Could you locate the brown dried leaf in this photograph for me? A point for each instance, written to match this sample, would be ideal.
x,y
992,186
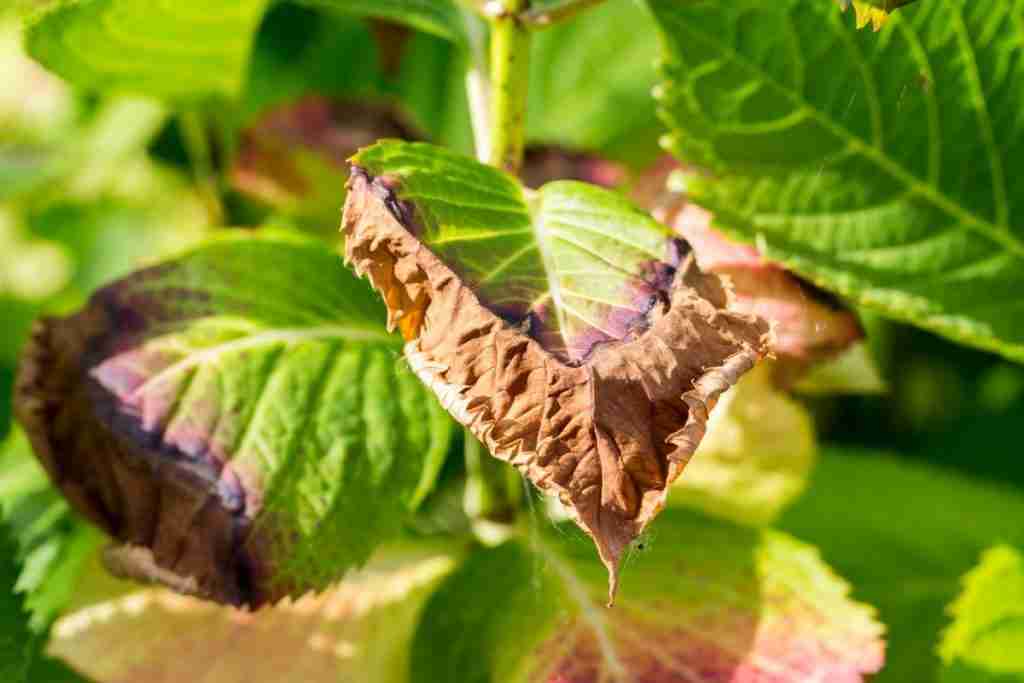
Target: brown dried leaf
x,y
607,429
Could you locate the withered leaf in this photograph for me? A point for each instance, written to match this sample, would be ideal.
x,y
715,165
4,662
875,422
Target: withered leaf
x,y
234,418
569,331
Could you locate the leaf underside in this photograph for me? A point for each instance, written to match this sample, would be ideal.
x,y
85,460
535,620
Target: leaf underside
x,y
567,330
879,166
235,418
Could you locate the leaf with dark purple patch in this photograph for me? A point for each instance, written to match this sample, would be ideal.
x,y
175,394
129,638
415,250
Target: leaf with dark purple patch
x,y
568,330
236,418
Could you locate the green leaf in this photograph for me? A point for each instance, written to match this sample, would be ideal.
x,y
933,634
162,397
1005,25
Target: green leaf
x,y
53,544
878,166
756,456
19,647
986,639
439,17
703,600
185,50
252,375
591,92
903,534
360,630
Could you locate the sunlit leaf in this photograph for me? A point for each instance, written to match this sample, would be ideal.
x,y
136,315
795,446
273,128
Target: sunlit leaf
x,y
357,632
703,601
572,334
985,643
881,167
236,417
184,50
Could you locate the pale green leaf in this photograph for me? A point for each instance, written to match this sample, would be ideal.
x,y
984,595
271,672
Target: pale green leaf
x,y
702,600
357,632
256,370
903,534
184,50
756,456
439,17
878,166
986,640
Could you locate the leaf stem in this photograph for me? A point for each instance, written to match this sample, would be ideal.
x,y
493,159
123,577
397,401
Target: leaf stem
x,y
549,15
510,75
200,154
493,488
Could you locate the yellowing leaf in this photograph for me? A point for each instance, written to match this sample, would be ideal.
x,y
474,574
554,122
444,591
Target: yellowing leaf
x,y
357,632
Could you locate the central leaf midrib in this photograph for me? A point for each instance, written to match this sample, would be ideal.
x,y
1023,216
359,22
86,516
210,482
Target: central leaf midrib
x,y
535,204
969,219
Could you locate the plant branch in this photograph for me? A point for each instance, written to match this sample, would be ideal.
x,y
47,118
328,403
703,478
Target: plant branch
x,y
200,154
510,73
493,488
549,15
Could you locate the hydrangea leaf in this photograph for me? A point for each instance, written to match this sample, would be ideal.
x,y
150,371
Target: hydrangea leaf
x,y
18,645
235,418
756,456
986,640
913,516
52,544
359,631
705,601
879,167
568,330
184,50
439,17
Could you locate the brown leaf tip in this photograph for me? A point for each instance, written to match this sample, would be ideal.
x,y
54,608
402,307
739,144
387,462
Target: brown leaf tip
x,y
608,434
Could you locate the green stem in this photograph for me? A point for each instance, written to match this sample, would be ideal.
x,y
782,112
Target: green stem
x,y
510,75
493,489
551,14
197,145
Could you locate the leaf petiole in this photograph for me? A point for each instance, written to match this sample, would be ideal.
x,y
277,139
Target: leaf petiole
x,y
510,73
